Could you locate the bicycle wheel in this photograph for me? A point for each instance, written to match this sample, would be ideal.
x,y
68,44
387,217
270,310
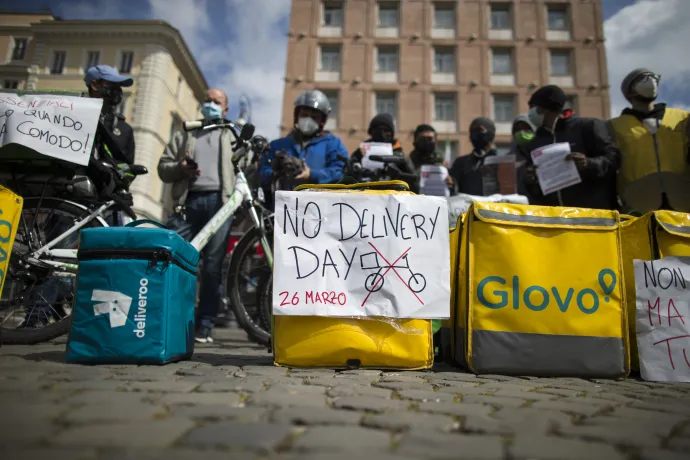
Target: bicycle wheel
x,y
247,266
42,300
265,301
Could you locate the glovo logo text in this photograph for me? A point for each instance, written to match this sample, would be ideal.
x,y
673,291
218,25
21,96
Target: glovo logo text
x,y
539,298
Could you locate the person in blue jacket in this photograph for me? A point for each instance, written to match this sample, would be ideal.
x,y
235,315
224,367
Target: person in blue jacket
x,y
308,155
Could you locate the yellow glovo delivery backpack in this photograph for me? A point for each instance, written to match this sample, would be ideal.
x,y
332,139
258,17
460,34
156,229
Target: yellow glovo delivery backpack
x,y
653,236
331,335
540,292
10,212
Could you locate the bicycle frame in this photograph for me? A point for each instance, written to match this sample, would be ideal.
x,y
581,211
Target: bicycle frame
x,y
241,195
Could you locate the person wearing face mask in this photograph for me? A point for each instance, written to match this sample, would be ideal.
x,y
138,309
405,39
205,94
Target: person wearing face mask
x,y
199,165
382,129
316,150
104,82
593,151
425,153
523,133
468,171
653,139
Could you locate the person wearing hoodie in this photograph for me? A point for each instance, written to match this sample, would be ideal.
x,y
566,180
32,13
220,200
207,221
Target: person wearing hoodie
x,y
653,139
425,153
319,153
468,171
382,129
593,151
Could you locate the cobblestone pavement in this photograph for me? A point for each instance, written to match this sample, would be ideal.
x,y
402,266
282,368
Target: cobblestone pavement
x,y
230,402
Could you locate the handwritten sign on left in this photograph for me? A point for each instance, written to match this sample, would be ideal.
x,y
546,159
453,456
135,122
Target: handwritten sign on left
x,y
663,318
357,254
61,127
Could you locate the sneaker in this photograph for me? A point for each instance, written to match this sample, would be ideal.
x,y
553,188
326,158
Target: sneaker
x,y
203,335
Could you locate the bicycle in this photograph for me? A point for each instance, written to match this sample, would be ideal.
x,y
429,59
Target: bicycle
x,y
62,262
42,264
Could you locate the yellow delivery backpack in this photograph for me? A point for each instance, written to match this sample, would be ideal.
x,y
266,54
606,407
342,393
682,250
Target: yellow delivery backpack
x,y
541,292
653,236
374,342
10,212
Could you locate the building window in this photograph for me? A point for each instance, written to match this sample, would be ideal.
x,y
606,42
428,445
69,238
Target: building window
x,y
444,21
333,99
332,14
388,20
330,59
58,65
560,63
11,84
444,60
329,63
502,62
387,59
388,15
444,66
331,19
557,18
500,17
444,107
386,103
501,22
126,61
93,58
504,109
19,50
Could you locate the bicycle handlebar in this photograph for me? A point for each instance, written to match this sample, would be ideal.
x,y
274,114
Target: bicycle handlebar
x,y
241,141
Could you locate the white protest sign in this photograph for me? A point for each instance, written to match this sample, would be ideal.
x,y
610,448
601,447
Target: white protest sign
x,y
432,181
382,149
554,172
356,254
61,127
663,318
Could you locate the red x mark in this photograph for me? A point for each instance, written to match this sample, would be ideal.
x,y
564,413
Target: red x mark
x,y
390,267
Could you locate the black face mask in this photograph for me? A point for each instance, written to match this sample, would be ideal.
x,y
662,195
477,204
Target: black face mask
x,y
481,139
112,95
425,146
382,135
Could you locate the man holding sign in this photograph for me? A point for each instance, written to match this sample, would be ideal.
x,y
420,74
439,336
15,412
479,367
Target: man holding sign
x,y
590,148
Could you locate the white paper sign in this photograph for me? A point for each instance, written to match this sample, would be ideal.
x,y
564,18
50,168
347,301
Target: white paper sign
x,y
374,148
553,171
432,181
356,254
663,318
61,127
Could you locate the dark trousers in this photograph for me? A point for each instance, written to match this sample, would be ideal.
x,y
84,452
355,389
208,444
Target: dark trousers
x,y
200,208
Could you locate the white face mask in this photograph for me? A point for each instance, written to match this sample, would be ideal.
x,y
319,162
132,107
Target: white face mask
x,y
536,118
647,88
307,126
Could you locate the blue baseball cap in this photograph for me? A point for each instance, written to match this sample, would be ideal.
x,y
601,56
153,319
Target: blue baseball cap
x,y
107,73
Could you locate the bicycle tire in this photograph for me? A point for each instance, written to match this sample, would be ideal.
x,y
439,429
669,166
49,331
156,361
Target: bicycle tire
x,y
30,336
243,249
265,301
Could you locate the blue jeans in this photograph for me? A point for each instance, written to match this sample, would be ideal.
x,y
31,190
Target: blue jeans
x,y
200,208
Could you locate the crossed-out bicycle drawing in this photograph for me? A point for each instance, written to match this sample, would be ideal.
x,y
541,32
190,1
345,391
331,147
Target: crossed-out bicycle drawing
x,y
416,282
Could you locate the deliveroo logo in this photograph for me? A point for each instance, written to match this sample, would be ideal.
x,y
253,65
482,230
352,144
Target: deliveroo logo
x,y
538,298
114,304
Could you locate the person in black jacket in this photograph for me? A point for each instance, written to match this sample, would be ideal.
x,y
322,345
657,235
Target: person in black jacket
x,y
592,149
382,129
468,171
425,153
